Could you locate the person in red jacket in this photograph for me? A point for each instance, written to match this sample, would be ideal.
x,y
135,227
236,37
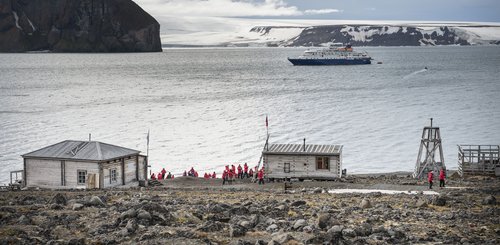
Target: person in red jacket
x,y
240,172
214,176
430,178
153,177
163,172
260,176
231,176
245,170
442,176
250,173
205,176
224,177
160,176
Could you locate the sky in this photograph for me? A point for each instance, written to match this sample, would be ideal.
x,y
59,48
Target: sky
x,y
411,10
206,22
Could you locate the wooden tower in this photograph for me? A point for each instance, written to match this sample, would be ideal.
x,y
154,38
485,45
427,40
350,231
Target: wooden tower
x,y
430,155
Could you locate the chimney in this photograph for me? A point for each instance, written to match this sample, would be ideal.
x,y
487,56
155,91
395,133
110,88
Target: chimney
x,y
431,122
304,144
90,137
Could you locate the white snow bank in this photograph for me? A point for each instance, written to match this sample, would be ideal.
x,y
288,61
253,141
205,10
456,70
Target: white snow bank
x,y
339,191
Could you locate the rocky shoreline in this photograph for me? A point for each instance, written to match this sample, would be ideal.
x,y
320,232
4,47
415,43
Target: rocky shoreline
x,y
197,211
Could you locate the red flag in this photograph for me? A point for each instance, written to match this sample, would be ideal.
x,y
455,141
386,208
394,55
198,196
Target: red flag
x,y
267,123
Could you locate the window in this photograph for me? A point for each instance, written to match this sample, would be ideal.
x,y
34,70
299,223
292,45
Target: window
x,y
323,163
286,167
112,175
82,177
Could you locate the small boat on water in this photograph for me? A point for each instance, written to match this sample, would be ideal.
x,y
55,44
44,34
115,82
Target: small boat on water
x,y
334,54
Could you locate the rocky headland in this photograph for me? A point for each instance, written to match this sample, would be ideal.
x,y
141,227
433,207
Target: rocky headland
x,y
77,26
197,211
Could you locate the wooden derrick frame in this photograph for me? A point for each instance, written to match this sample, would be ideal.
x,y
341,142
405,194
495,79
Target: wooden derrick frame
x,y
429,145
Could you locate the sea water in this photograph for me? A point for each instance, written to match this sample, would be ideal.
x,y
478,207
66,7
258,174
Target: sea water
x,y
206,108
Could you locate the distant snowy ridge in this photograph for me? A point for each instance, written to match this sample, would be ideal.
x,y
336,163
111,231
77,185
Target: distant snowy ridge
x,y
379,35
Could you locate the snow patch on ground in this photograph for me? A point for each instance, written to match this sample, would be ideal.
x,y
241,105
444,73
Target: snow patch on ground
x,y
364,33
364,191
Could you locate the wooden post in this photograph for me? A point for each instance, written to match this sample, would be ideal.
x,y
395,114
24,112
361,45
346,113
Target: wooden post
x,y
123,171
25,177
137,167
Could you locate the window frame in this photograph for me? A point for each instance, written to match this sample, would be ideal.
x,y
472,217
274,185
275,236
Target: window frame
x,y
84,177
113,175
286,167
324,161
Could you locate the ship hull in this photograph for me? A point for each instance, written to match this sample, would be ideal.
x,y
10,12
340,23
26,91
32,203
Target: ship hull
x,y
316,62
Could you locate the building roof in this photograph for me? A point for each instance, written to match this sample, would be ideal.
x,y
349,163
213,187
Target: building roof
x,y
298,149
81,150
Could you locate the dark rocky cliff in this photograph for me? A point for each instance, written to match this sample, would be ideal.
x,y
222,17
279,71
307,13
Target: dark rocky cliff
x,y
77,26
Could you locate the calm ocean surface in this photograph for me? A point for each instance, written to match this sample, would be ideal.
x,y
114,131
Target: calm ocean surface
x,y
207,107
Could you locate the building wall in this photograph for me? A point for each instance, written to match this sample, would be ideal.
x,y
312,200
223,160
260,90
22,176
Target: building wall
x,y
49,174
130,169
142,168
106,169
43,173
300,167
71,172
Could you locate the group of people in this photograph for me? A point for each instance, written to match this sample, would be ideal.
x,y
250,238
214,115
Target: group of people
x,y
442,176
191,173
162,175
231,173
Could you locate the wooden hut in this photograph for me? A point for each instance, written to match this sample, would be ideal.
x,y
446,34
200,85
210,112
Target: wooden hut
x,y
83,164
478,160
301,161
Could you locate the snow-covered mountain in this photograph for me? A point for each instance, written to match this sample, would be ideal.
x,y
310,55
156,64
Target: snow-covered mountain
x,y
381,35
286,33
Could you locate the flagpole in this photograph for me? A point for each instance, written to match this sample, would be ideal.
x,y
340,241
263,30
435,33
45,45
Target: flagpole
x,y
267,133
147,148
147,153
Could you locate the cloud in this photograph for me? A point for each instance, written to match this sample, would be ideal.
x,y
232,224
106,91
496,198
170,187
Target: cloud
x,y
322,11
226,8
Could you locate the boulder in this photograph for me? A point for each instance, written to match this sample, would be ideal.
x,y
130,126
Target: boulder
x,y
58,199
131,226
96,202
348,232
299,224
298,203
365,203
439,200
421,203
324,220
131,213
282,238
23,220
489,200
236,231
77,206
144,215
272,228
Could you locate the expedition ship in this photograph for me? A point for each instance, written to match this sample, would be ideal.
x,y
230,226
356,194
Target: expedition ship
x,y
335,54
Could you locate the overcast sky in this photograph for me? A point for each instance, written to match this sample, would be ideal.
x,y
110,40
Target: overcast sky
x,y
412,10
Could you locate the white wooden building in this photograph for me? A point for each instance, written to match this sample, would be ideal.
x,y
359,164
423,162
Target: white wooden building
x,y
302,161
83,164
